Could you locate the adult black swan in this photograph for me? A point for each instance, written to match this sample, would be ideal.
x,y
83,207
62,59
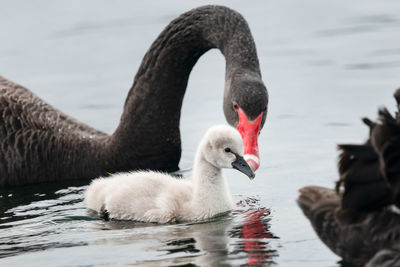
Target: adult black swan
x,y
39,143
360,220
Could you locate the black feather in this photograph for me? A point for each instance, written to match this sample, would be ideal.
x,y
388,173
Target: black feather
x,y
359,223
103,213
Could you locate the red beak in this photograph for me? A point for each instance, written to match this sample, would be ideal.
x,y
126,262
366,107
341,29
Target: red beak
x,y
249,131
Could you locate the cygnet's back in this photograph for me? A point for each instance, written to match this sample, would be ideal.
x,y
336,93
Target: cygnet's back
x,y
136,195
157,197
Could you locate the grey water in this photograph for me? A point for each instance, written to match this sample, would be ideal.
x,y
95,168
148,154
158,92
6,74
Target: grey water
x,y
326,65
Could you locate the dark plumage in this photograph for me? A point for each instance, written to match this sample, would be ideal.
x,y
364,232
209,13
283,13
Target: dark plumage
x,y
385,258
360,220
39,143
356,241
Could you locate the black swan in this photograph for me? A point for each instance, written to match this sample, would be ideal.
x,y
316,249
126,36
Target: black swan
x,y
39,143
360,220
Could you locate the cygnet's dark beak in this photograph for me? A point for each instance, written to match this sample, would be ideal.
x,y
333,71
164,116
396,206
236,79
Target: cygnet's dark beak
x,y
241,165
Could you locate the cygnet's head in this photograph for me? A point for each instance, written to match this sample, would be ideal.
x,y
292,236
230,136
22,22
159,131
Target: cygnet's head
x,y
222,146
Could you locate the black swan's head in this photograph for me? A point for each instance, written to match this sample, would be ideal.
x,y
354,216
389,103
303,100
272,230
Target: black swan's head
x,y
245,108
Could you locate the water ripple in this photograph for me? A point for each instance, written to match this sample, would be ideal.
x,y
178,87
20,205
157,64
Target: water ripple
x,y
57,219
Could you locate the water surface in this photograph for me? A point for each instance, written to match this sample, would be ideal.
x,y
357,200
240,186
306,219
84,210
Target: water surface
x,y
326,65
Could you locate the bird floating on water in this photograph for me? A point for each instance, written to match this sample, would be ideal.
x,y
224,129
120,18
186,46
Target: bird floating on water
x,y
149,196
39,143
360,220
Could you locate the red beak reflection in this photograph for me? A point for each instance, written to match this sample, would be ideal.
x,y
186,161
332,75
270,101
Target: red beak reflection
x,y
254,233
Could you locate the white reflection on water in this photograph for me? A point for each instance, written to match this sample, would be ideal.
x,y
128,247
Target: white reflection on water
x,y
60,221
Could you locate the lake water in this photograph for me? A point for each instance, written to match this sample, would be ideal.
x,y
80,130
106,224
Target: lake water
x,y
326,64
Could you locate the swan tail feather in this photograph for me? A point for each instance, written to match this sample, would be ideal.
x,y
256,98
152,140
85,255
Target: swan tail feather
x,y
363,184
313,197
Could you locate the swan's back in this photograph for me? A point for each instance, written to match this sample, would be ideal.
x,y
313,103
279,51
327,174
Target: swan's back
x,y
130,195
33,132
22,109
356,242
358,220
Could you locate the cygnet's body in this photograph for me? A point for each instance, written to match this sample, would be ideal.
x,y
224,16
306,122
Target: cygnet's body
x,y
157,197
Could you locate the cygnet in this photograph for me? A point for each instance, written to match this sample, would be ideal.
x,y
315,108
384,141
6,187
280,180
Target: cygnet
x,y
149,196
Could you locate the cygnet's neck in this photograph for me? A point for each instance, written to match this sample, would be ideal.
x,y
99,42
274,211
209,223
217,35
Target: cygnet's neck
x,y
211,191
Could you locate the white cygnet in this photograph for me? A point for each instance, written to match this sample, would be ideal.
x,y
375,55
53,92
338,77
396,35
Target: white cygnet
x,y
149,196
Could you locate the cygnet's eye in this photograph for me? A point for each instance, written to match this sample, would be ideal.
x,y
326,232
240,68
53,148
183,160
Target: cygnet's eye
x,y
227,150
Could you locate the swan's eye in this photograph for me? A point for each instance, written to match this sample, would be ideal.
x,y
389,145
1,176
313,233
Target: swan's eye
x,y
227,150
264,109
235,106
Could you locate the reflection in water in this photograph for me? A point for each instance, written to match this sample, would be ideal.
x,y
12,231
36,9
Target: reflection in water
x,y
254,233
49,221
225,240
183,245
28,219
202,244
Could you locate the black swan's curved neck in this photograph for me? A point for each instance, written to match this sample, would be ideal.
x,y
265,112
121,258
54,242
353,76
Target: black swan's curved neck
x,y
153,106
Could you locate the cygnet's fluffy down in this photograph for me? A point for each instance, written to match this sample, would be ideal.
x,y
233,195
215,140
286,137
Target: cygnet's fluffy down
x,y
149,196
